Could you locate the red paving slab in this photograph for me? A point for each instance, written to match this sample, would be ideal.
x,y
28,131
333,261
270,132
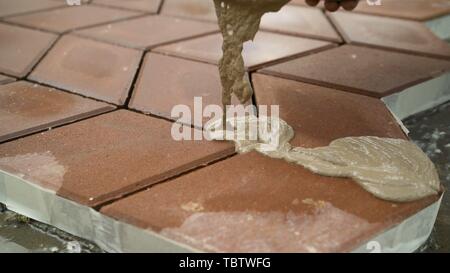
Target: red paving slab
x,y
140,5
191,9
390,33
98,159
70,18
300,21
149,31
421,10
4,79
252,203
27,108
21,48
165,82
90,68
266,48
320,115
12,7
362,70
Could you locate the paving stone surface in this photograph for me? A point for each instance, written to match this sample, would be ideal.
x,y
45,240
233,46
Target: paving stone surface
x,y
27,108
5,79
9,8
151,6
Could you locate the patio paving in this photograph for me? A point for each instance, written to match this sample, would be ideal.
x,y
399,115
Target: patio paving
x,y
107,74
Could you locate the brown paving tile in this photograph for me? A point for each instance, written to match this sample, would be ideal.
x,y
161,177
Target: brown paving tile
x,y
390,33
27,108
12,7
252,203
267,48
5,79
320,115
90,68
97,159
168,81
408,9
192,9
140,5
362,70
21,49
149,31
70,18
300,21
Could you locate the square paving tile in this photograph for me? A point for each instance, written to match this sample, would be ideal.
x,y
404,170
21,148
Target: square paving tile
x,y
300,21
140,5
27,108
362,70
252,203
390,33
70,18
168,81
149,31
102,158
21,48
12,7
422,10
5,79
267,48
192,9
90,68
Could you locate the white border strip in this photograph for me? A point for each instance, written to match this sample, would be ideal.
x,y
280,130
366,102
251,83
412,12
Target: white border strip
x,y
111,235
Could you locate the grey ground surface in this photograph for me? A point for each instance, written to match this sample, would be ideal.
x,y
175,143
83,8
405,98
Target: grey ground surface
x,y
430,130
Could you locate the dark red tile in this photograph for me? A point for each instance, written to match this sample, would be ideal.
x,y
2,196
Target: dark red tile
x,y
192,9
90,68
168,81
27,108
421,10
320,115
21,49
252,203
140,5
267,48
4,79
150,31
300,21
390,33
12,7
105,157
70,18
362,70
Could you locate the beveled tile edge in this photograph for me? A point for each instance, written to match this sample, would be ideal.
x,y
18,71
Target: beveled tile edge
x,y
114,235
7,79
57,123
109,234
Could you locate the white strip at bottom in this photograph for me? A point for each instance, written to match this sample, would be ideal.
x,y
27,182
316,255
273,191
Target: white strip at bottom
x,y
111,235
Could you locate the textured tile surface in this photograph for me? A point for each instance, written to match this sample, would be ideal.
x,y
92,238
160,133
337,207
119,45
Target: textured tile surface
x,y
69,18
251,203
90,68
140,5
21,49
166,81
300,21
12,7
267,48
192,9
390,33
105,157
26,108
148,31
362,70
408,9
